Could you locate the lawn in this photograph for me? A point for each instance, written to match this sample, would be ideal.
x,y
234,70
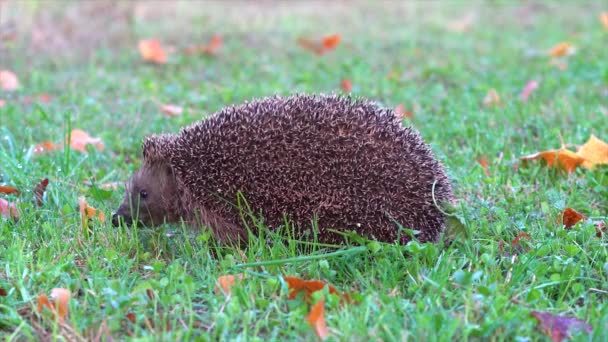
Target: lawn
x,y
79,67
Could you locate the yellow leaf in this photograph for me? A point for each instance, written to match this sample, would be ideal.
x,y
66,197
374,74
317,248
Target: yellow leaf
x,y
594,151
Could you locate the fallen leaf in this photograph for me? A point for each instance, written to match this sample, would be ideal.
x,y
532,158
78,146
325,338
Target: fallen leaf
x,y
87,212
600,229
3,292
604,19
8,209
316,319
570,217
79,139
530,87
296,285
59,305
8,80
562,49
131,317
483,162
150,294
326,44
520,235
330,42
44,147
152,51
226,282
492,98
594,151
563,158
214,45
39,191
346,85
401,113
5,189
559,328
171,110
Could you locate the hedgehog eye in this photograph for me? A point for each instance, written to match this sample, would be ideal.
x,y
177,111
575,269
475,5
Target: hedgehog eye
x,y
143,194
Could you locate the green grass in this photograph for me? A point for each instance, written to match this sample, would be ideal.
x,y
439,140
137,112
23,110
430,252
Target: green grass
x,y
479,288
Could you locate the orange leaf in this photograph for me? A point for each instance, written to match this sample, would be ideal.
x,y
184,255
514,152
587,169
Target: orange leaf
x,y
594,151
226,282
562,49
46,146
8,80
316,319
492,98
151,51
330,42
520,235
79,139
60,304
171,110
401,113
5,189
62,299
346,85
214,45
565,159
309,286
571,217
310,45
483,162
8,209
87,212
604,19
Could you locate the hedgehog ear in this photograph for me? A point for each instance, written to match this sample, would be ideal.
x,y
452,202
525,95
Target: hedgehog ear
x,y
157,148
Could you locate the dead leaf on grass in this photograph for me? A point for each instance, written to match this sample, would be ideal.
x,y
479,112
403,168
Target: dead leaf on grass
x,y
5,189
594,151
152,51
559,328
562,49
171,110
59,305
492,98
79,139
316,319
88,212
346,85
562,158
8,209
604,19
39,191
226,282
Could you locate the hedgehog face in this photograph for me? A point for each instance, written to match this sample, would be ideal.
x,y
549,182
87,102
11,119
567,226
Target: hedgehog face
x,y
149,198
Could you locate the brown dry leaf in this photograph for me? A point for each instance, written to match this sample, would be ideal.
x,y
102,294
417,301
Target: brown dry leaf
x,y
46,146
171,110
296,285
152,51
3,292
565,159
316,319
604,19
8,80
59,304
520,235
79,139
87,212
226,282
600,229
594,151
346,85
401,113
570,217
39,191
483,162
562,49
8,209
559,328
491,99
5,189
131,317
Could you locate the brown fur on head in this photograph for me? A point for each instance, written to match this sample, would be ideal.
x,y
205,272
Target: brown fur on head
x,y
151,194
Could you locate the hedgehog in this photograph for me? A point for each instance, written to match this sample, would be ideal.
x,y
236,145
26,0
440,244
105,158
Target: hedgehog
x,y
320,165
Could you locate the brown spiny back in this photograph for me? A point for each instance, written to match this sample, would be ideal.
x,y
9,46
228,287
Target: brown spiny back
x,y
346,162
